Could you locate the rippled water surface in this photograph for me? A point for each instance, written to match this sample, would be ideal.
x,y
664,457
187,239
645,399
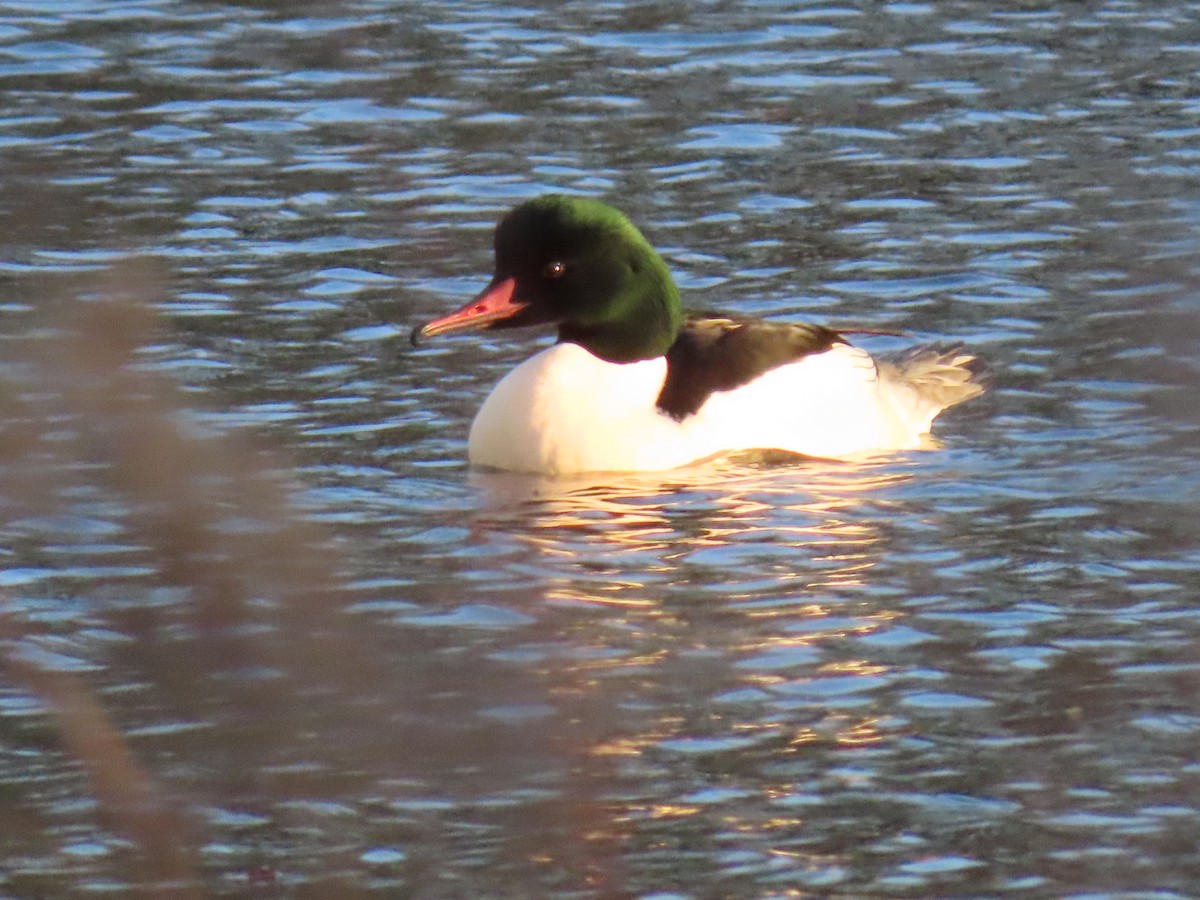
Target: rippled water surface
x,y
266,635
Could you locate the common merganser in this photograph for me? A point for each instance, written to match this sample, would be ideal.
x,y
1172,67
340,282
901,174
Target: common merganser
x,y
633,386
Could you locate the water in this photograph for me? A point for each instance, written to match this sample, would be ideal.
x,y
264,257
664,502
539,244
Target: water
x,y
267,635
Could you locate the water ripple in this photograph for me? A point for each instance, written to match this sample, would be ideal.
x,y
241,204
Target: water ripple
x,y
967,671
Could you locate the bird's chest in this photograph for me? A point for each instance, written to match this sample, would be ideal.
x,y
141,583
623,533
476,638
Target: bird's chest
x,y
565,410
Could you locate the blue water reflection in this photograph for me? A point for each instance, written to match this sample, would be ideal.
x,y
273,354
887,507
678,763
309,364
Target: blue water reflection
x,y
249,582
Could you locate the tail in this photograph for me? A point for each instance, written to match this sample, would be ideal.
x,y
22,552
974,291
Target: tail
x,y
926,380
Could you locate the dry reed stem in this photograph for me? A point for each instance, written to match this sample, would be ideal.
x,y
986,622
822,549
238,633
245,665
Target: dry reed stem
x,y
180,489
127,798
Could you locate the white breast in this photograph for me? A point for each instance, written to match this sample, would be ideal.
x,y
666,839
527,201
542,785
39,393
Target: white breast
x,y
566,411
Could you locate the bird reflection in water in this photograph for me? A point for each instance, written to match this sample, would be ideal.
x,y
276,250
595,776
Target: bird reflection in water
x,y
710,605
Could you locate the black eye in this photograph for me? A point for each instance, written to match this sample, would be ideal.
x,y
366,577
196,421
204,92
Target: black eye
x,y
555,269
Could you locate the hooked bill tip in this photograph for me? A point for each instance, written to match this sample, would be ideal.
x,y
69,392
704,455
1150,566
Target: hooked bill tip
x,y
416,335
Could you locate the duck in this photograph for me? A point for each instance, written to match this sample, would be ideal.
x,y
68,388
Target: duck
x,y
634,385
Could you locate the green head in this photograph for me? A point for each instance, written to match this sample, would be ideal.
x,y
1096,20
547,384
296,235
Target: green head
x,y
581,265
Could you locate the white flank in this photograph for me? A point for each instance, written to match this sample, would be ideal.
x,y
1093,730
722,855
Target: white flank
x,y
565,411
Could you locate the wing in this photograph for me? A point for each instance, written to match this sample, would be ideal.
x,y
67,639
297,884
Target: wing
x,y
722,354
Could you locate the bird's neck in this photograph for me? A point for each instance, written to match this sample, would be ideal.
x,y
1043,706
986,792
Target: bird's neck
x,y
644,322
